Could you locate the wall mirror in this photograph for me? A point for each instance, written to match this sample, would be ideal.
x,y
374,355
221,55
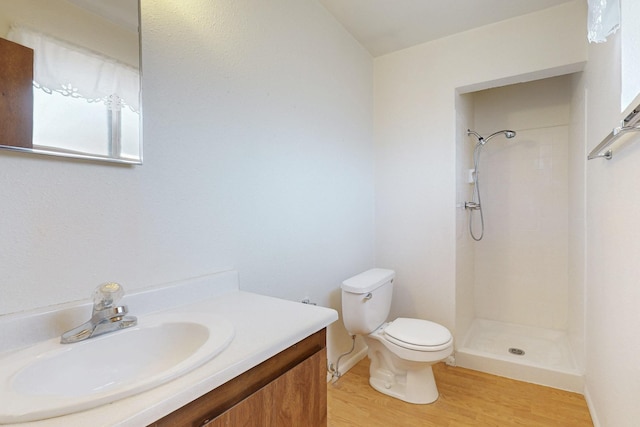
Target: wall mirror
x,y
70,78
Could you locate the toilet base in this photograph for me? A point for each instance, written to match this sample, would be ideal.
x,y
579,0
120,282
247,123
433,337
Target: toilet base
x,y
417,387
410,381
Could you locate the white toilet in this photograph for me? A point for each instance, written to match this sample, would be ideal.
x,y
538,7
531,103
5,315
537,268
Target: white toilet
x,y
401,352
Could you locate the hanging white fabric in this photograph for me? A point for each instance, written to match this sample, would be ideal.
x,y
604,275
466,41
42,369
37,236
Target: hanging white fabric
x,y
79,72
603,19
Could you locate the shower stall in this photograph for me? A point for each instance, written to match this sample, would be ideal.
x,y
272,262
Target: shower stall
x,y
520,234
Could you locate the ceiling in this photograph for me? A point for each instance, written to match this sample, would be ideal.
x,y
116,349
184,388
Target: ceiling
x,y
384,26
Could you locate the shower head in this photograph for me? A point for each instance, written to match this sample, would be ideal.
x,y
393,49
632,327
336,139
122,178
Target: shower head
x,y
482,140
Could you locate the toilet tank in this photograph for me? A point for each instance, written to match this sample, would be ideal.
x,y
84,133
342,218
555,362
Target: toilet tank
x,y
366,300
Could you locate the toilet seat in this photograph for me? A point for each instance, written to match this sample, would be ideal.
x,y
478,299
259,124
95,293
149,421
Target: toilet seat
x,y
418,334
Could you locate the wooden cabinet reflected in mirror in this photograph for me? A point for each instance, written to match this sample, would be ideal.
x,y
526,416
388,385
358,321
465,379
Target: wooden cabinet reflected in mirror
x,y
16,95
85,79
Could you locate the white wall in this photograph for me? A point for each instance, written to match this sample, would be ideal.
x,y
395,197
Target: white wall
x,y
465,246
415,140
577,220
613,242
258,157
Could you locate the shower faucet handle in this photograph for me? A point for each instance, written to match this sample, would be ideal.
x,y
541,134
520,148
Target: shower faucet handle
x,y
472,205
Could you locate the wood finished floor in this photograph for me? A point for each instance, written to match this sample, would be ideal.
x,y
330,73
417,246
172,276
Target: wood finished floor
x,y
467,398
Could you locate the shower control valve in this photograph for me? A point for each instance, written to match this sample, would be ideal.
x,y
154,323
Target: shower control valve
x,y
472,205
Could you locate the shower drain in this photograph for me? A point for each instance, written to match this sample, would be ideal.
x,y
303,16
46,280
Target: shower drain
x,y
516,351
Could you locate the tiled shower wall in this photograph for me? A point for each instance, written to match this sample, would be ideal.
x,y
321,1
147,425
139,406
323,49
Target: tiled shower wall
x,y
521,265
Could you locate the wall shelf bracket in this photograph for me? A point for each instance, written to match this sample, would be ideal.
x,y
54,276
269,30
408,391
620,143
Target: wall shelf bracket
x,y
631,123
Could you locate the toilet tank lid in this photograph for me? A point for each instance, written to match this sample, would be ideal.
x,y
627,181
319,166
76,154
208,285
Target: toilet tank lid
x,y
368,281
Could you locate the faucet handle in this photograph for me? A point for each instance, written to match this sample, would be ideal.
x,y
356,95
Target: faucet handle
x,y
107,295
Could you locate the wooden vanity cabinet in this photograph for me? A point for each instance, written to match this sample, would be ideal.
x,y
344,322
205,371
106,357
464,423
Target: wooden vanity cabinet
x,y
287,390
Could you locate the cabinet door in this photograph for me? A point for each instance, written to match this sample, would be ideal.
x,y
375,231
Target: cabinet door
x,y
296,398
300,395
254,411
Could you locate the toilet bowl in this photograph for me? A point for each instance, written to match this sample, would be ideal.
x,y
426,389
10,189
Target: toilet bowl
x,y
403,369
402,352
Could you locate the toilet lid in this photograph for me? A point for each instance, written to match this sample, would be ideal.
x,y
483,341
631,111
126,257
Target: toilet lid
x,y
417,332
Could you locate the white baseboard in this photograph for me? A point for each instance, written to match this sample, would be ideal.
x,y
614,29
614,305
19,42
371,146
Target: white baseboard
x,y
590,405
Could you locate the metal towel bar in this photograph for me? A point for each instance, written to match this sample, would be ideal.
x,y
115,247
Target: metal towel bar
x,y
628,124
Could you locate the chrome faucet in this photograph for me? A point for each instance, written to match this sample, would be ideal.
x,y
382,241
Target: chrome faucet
x,y
106,316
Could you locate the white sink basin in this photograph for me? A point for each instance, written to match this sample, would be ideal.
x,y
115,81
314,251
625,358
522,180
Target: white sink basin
x,y
51,379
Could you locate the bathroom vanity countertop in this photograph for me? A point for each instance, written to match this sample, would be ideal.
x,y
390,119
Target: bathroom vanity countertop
x,y
264,326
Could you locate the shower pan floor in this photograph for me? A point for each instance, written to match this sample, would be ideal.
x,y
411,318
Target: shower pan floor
x,y
536,355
